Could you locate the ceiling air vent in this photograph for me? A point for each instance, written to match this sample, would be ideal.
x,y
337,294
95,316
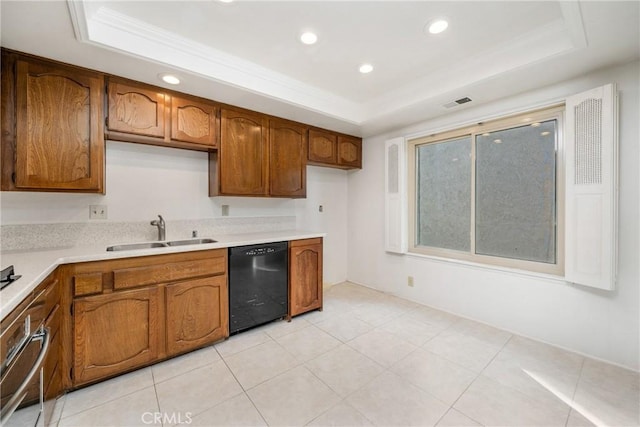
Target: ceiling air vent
x,y
457,102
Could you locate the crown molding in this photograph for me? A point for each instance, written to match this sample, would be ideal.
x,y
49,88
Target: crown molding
x,y
116,31
109,29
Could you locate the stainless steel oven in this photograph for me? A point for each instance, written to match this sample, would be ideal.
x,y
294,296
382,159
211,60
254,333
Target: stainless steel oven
x,y
24,347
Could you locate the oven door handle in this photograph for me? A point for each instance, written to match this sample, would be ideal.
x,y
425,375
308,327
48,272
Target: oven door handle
x,y
20,394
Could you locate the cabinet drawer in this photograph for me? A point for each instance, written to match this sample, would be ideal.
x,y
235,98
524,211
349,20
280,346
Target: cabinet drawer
x,y
171,272
87,283
305,242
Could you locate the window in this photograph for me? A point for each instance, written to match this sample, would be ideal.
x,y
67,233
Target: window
x,y
490,193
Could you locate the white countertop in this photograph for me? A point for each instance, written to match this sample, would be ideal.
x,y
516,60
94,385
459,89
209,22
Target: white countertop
x,y
36,265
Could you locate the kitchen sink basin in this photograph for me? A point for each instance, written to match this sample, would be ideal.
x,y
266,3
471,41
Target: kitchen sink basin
x,y
190,242
133,246
151,245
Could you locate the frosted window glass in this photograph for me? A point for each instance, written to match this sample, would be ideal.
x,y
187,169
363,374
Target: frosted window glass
x,y
516,193
444,194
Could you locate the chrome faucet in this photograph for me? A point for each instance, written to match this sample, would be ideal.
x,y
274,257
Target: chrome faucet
x,y
161,227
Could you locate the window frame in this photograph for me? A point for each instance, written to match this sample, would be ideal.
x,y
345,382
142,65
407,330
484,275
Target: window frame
x,y
550,113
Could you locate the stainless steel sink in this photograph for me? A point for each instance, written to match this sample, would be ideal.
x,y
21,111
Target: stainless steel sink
x,y
150,245
190,242
133,246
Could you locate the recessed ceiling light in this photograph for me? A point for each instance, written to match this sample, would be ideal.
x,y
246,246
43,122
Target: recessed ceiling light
x,y
226,1
366,68
308,38
536,124
486,134
437,26
497,141
169,78
545,133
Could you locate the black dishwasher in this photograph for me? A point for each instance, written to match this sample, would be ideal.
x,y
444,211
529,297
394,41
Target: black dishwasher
x,y
258,291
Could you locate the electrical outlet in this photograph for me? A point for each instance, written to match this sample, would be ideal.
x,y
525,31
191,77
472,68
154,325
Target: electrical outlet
x,y
225,210
410,281
97,211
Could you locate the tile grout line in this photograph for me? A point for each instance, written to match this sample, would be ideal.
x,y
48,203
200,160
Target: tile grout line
x,y
575,390
344,399
120,376
474,380
244,391
61,409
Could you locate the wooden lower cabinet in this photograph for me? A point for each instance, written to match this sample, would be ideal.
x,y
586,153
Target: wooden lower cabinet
x,y
197,313
109,317
143,310
115,332
305,276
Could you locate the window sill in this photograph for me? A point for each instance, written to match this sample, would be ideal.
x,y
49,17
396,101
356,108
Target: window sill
x,y
494,268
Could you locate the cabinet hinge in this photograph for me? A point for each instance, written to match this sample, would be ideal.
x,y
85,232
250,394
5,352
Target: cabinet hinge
x,y
13,177
71,373
106,121
71,309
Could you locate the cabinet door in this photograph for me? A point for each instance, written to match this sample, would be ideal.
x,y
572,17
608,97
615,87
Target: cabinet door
x,y
243,154
193,121
197,313
136,109
323,147
287,159
305,276
350,152
115,332
59,131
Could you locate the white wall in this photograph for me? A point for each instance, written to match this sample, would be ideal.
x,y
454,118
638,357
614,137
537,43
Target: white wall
x,y
601,324
143,181
327,188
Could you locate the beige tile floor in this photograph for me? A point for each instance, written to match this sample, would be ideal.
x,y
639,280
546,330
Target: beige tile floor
x,y
367,359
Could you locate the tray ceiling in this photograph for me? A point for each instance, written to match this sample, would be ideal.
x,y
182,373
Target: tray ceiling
x,y
249,51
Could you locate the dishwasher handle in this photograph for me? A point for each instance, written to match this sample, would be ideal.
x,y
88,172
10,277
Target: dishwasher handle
x,y
9,408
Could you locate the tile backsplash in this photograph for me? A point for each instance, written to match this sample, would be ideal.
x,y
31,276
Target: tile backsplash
x,y
60,235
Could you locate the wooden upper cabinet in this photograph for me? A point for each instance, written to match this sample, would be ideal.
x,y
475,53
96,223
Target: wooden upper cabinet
x,y
150,115
287,159
59,139
323,147
243,157
349,152
333,150
136,109
259,156
193,121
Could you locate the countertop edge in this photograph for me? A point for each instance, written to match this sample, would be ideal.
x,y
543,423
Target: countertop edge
x,y
35,265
